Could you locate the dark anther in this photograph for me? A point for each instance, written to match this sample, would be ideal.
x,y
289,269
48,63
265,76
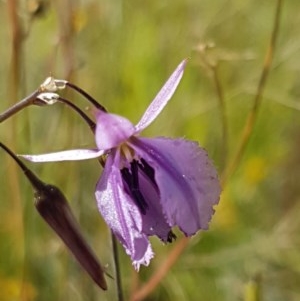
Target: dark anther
x,y
148,170
134,173
171,236
132,180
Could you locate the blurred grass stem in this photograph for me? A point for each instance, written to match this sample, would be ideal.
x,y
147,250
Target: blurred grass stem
x,y
17,39
252,116
212,66
161,272
223,114
65,15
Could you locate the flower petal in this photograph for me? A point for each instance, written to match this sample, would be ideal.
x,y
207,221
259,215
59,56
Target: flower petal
x,y
121,214
154,221
68,155
186,179
111,130
162,98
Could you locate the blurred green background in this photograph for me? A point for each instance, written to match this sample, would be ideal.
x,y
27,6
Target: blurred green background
x,y
121,52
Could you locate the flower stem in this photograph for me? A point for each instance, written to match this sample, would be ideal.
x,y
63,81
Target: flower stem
x,y
117,267
89,121
87,96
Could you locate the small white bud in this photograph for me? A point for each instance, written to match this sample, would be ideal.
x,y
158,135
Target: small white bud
x,y
60,83
52,85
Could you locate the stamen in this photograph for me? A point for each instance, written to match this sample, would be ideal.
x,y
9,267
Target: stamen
x,y
132,181
127,152
126,176
134,173
147,169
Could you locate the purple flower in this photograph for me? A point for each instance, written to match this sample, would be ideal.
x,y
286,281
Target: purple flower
x,y
148,185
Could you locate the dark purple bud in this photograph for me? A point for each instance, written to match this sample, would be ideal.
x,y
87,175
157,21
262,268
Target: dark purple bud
x,y
55,210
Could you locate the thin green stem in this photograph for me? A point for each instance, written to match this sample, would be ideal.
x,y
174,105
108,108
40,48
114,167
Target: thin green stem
x,y
117,267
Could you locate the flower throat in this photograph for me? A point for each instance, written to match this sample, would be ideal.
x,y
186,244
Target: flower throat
x,y
131,179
